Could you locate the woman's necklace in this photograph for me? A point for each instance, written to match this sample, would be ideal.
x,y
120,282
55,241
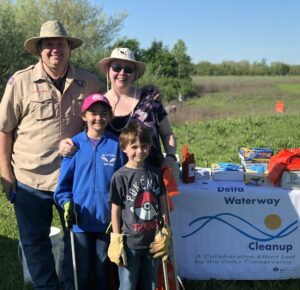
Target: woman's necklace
x,y
130,116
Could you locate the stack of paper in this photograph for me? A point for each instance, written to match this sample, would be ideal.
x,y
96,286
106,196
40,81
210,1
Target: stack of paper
x,y
290,180
203,173
227,171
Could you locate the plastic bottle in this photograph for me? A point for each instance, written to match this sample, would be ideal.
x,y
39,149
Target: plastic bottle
x,y
188,166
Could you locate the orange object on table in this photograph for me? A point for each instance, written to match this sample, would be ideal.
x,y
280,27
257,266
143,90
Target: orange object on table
x,y
188,165
285,160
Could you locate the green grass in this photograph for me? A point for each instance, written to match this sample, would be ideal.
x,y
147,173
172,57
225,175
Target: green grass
x,y
11,270
242,285
220,140
290,88
11,267
223,97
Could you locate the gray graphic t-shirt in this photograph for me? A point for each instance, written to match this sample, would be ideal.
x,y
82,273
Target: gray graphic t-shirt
x,y
137,192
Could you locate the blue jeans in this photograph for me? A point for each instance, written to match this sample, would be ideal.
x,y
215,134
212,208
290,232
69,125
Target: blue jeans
x,y
34,215
141,267
91,260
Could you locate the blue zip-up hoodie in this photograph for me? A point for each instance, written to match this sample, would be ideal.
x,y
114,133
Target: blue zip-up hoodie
x,y
86,177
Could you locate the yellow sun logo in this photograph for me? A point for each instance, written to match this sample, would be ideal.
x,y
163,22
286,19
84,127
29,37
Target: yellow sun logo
x,y
272,221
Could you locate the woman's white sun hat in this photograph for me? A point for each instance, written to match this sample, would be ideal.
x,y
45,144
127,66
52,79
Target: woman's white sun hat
x,y
122,53
51,29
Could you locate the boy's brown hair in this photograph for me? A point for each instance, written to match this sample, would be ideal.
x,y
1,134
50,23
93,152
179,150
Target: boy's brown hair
x,y
135,130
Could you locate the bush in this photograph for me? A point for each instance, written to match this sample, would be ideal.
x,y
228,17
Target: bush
x,y
170,88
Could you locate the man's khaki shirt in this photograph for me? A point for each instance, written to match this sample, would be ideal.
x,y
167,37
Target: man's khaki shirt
x,y
39,117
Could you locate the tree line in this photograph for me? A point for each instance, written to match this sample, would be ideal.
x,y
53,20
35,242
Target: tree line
x,y
170,69
245,68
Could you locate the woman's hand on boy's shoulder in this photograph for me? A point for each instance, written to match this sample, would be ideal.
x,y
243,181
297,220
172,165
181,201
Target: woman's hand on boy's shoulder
x,y
151,90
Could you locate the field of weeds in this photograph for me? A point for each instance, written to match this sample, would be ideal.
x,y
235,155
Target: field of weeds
x,y
223,97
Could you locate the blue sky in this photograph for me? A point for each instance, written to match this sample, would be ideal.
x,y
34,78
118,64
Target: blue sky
x,y
215,30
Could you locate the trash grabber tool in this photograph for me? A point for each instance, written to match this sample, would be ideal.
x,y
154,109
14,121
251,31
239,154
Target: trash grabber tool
x,y
165,270
172,190
160,222
164,263
74,259
70,222
172,258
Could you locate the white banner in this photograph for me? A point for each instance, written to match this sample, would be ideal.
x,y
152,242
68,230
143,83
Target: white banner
x,y
228,230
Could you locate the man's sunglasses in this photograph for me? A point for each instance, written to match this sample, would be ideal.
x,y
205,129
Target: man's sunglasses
x,y
116,67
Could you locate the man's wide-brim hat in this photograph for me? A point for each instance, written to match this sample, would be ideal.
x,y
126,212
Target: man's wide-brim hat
x,y
122,54
51,29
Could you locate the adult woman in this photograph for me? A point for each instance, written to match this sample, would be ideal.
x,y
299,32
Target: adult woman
x,y
132,103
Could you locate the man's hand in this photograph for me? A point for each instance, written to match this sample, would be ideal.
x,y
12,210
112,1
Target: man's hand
x,y
160,246
70,214
7,178
8,182
116,251
67,147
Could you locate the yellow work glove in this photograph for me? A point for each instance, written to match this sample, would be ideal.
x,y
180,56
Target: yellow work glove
x,y
70,215
116,251
160,246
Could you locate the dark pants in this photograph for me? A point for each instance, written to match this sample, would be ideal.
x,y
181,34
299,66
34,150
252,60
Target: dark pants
x,y
34,215
91,259
141,270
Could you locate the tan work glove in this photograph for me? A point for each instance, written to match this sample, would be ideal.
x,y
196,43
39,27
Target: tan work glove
x,y
160,246
116,251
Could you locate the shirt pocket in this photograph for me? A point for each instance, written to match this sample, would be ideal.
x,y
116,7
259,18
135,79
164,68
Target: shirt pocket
x,y
77,104
42,106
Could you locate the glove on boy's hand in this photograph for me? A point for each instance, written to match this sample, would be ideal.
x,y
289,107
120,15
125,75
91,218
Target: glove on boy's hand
x,y
70,215
160,246
116,251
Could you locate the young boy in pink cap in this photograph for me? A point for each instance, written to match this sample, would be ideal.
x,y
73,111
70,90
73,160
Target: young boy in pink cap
x,y
85,180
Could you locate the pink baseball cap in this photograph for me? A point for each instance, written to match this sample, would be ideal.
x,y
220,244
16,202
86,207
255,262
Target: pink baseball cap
x,y
94,98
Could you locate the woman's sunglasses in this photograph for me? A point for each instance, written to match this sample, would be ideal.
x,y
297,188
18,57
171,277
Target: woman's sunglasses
x,y
116,67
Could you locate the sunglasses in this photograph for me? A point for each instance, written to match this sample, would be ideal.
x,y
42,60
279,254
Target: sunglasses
x,y
116,67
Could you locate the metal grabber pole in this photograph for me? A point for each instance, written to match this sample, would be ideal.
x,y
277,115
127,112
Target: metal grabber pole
x,y
171,247
70,227
165,270
74,259
161,222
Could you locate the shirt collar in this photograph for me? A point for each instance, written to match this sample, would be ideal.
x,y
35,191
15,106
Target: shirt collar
x,y
40,74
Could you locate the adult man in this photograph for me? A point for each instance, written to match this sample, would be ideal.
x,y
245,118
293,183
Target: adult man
x,y
40,106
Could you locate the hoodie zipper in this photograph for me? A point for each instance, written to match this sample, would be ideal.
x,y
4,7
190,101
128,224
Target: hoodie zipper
x,y
94,176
